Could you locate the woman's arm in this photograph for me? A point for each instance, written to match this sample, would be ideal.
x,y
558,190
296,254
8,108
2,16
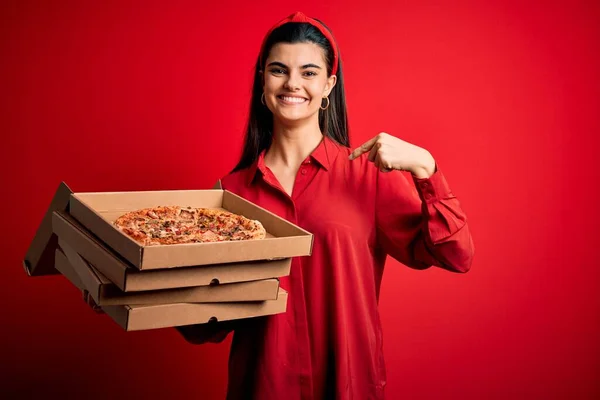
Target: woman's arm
x,y
422,224
421,227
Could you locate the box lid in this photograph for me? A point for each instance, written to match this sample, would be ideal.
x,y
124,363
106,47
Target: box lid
x,y
39,259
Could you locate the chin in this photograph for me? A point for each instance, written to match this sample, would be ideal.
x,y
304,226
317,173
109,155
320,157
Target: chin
x,y
293,117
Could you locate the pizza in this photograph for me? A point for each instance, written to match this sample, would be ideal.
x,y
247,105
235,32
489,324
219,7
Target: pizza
x,y
175,225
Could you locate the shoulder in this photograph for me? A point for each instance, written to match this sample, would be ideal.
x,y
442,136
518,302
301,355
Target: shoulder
x,y
236,180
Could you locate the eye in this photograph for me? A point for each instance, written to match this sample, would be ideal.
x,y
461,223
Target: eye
x,y
277,71
310,73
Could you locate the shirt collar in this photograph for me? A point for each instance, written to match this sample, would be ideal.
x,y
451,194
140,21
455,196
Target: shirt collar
x,y
324,155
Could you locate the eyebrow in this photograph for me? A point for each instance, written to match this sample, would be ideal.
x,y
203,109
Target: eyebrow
x,y
279,64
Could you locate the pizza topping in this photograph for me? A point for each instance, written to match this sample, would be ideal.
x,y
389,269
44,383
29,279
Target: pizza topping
x,y
172,225
187,214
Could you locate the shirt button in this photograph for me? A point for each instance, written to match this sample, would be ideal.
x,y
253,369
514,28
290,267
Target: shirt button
x,y
428,196
425,184
303,171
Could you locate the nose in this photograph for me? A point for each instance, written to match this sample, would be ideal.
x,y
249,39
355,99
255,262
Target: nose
x,y
292,83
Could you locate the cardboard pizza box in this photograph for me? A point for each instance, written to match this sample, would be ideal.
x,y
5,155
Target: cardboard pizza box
x,y
130,279
39,259
105,293
98,211
135,318
143,317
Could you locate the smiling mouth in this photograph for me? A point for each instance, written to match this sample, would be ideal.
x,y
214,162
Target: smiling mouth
x,y
292,100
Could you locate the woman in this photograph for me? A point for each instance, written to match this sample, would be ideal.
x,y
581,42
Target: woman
x,y
360,208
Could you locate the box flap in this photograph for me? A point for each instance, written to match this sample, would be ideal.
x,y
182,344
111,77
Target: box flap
x,y
63,266
86,275
39,259
218,185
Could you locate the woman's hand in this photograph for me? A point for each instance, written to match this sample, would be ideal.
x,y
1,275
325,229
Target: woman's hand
x,y
390,153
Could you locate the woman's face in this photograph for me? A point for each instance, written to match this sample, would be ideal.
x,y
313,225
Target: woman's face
x,y
295,81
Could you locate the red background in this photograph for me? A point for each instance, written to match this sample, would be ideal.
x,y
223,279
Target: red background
x,y
504,95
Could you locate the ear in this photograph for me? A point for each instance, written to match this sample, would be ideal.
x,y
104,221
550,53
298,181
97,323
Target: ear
x,y
331,81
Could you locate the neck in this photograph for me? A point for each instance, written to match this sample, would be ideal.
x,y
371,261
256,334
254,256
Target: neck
x,y
292,144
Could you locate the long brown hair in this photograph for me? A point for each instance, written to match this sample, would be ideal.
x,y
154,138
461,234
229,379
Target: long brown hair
x,y
333,121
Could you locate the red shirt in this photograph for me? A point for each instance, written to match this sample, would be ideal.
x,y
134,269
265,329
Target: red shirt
x,y
328,344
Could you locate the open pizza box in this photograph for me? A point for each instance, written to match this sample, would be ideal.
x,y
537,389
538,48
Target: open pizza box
x,y
98,211
129,279
143,317
247,260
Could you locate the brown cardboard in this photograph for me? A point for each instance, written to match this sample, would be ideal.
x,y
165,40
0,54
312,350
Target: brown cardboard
x,y
130,279
39,259
142,317
63,266
97,211
105,293
134,318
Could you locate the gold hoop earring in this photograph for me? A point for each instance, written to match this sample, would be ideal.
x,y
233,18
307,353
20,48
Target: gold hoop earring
x,y
327,106
262,99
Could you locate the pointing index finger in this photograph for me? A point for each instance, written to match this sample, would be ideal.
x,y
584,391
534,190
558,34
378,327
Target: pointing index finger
x,y
363,148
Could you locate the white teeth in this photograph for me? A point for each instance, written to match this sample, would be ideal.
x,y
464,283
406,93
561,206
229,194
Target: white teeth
x,y
293,99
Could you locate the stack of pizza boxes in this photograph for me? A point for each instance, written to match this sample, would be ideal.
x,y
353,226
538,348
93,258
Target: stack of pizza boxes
x,y
149,287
